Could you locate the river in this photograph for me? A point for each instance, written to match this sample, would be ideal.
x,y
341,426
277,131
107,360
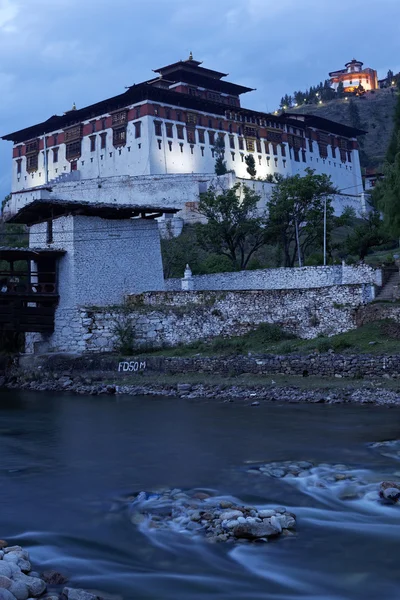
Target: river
x,y
67,462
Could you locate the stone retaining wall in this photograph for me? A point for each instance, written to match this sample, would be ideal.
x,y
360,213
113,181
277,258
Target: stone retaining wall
x,y
284,278
352,366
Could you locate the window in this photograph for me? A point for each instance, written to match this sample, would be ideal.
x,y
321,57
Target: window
x,y
349,156
210,123
221,139
73,150
178,115
275,149
283,150
192,91
242,157
211,138
55,139
241,144
49,231
230,128
232,141
191,148
55,155
138,110
157,128
310,145
284,164
233,156
181,145
258,146
303,156
201,136
159,144
167,113
169,130
19,151
259,160
170,146
202,150
276,162
138,129
250,145
93,126
220,125
266,147
156,110
268,161
199,120
119,136
103,138
213,97
104,123
191,118
92,143
179,129
19,166
333,151
191,136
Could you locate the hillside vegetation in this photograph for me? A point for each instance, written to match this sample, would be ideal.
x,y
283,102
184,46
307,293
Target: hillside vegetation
x,y
376,112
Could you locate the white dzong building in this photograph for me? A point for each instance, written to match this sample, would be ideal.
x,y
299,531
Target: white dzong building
x,y
168,126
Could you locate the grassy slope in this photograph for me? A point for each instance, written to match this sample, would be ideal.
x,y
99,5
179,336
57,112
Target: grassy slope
x,y
267,339
376,113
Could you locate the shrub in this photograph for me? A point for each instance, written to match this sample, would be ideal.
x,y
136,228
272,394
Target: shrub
x,y
123,331
341,344
323,345
267,332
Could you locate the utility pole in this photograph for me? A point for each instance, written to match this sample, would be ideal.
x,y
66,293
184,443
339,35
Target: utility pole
x,y
298,241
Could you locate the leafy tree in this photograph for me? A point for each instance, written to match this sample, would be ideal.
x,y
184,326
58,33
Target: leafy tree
x,y
296,214
251,165
340,90
235,228
177,252
10,234
219,152
367,234
390,76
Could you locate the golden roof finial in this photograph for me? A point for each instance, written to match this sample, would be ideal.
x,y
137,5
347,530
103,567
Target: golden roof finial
x,y
191,55
73,106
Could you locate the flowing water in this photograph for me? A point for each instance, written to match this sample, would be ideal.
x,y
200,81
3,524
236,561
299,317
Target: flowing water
x,y
68,463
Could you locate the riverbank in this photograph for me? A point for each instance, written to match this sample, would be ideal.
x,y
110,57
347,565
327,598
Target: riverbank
x,y
245,388
18,581
315,378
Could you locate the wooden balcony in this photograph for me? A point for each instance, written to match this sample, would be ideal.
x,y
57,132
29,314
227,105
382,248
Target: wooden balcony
x,y
28,296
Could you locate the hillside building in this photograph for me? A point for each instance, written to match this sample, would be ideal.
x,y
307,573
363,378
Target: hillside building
x,y
353,76
169,125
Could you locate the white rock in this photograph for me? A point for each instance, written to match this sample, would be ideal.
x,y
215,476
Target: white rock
x,y
266,513
275,522
19,590
5,582
35,585
230,514
14,549
6,594
5,569
72,594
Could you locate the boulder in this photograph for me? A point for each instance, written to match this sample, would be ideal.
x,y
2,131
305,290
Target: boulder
x,y
54,578
390,492
252,531
72,594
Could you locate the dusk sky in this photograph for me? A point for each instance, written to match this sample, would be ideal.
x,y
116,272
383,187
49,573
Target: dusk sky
x,y
56,52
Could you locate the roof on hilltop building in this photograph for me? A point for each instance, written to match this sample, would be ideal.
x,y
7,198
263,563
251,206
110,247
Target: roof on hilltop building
x,y
41,210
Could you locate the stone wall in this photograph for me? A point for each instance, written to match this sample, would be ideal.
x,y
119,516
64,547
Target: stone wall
x,y
160,319
284,278
352,366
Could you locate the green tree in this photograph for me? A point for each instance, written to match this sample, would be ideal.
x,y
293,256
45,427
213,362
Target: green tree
x,y
386,194
219,153
235,228
11,234
340,90
178,251
365,235
296,214
251,165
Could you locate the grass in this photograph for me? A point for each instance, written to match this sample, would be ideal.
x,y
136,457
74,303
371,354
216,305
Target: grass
x,y
270,339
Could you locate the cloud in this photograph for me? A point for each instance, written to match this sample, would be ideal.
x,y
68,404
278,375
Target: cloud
x,y
8,12
63,51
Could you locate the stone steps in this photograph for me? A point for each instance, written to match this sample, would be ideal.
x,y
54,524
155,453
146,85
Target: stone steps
x,y
389,290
